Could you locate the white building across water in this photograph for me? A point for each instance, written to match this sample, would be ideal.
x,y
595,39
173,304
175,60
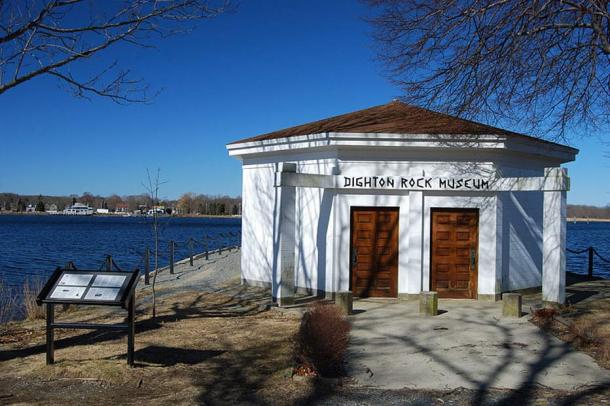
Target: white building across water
x,y
394,200
78,209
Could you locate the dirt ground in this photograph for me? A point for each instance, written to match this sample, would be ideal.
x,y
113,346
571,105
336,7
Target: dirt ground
x,y
588,306
203,348
213,347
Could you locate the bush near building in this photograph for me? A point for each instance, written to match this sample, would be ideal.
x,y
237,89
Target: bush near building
x,y
322,340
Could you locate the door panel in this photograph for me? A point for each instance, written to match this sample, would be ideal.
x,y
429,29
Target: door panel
x,y
374,252
454,252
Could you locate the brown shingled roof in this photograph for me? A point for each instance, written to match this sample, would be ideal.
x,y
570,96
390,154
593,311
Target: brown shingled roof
x,y
393,118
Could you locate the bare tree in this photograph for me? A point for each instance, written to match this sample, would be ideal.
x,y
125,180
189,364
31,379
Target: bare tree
x,y
542,65
152,188
53,37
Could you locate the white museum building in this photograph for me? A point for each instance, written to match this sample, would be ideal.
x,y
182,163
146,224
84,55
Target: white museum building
x,y
395,200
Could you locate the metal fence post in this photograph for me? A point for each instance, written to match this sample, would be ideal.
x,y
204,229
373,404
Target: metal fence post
x,y
147,266
206,246
220,235
171,257
191,252
108,263
590,263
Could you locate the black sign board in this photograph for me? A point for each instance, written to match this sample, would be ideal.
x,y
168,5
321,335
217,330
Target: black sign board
x,y
68,286
82,287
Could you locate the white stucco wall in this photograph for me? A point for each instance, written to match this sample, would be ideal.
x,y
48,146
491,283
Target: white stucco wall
x,y
260,203
510,223
522,243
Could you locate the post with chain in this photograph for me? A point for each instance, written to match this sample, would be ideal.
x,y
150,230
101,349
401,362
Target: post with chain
x,y
590,270
220,243
191,252
147,266
108,263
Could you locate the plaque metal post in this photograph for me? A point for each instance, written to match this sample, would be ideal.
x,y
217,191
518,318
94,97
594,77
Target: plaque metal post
x,y
131,330
50,333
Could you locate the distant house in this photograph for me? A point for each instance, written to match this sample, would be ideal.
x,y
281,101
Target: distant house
x,y
52,209
102,211
78,209
30,208
122,208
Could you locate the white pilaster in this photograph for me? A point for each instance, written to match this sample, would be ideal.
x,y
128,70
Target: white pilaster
x,y
415,235
286,226
554,243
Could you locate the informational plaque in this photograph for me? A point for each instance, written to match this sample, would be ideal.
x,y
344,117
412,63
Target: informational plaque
x,y
75,279
68,292
109,281
102,294
85,287
93,287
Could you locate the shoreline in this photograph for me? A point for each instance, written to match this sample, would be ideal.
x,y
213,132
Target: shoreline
x,y
3,213
587,220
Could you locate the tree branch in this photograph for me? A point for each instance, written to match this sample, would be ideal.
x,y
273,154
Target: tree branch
x,y
42,41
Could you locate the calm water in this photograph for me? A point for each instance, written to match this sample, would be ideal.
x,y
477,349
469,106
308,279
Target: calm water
x,y
583,235
33,246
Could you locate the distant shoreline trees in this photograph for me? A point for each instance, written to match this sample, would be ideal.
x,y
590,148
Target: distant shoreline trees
x,y
188,204
592,212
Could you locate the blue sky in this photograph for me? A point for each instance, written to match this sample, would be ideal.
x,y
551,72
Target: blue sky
x,y
270,65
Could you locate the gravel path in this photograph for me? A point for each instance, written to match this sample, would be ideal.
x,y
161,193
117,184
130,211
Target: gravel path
x,y
204,276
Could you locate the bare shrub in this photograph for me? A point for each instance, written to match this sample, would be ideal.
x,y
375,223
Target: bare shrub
x,y
31,310
322,340
604,350
544,317
585,332
7,304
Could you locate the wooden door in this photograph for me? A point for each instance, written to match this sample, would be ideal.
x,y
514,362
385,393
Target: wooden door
x,y
454,252
374,252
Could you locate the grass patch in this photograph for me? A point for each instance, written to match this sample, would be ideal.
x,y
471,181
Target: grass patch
x,y
31,310
205,348
8,305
